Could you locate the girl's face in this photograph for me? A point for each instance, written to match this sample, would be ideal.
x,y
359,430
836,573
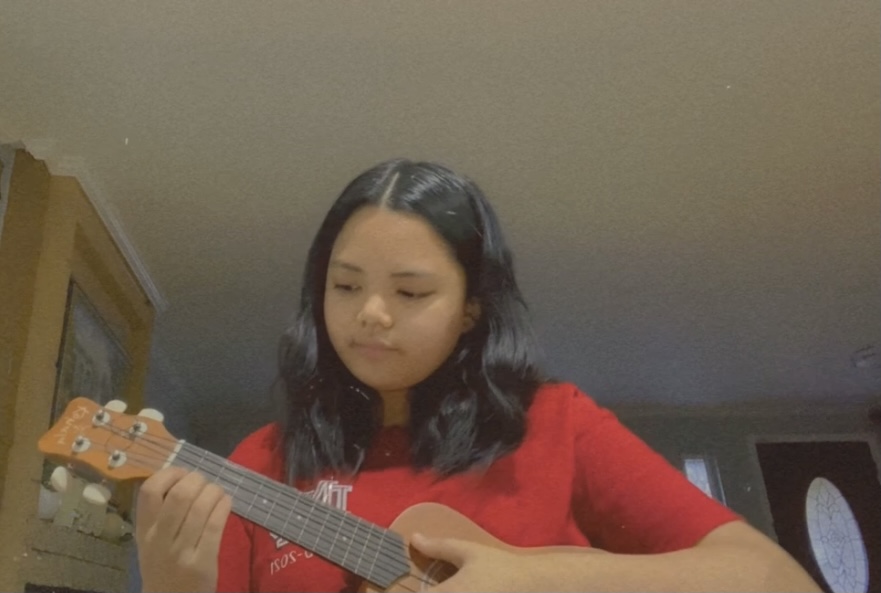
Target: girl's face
x,y
394,301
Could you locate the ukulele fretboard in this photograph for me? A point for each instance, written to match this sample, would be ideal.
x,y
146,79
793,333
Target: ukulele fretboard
x,y
367,550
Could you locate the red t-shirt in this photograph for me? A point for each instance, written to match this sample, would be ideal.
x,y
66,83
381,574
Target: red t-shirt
x,y
578,478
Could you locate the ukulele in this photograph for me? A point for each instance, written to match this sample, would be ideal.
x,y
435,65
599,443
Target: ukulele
x,y
105,444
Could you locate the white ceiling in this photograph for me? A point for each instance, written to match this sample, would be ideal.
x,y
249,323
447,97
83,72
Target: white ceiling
x,y
691,188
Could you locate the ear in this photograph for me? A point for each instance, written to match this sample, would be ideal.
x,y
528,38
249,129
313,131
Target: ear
x,y
472,315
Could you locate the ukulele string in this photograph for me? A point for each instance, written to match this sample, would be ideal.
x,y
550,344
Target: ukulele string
x,y
156,444
389,549
159,450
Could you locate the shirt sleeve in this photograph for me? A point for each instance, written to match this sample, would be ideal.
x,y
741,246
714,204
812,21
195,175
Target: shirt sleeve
x,y
629,499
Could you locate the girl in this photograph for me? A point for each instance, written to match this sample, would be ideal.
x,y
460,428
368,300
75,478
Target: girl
x,y
410,376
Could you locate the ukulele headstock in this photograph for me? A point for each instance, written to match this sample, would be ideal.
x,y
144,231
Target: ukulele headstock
x,y
107,441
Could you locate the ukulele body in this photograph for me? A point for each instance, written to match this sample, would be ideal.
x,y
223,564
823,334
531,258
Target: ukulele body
x,y
438,521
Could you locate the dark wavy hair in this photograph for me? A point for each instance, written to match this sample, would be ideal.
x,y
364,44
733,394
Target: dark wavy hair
x,y
470,411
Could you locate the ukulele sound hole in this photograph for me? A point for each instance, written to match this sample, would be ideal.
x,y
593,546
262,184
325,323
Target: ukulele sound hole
x,y
437,572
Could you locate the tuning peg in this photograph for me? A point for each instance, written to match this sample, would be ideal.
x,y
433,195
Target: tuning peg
x,y
48,503
59,479
116,405
80,444
152,414
96,494
117,459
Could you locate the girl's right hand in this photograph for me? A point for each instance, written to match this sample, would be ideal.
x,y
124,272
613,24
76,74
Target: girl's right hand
x,y
179,524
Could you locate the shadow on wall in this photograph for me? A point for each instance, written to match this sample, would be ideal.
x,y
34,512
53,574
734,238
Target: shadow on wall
x,y
220,428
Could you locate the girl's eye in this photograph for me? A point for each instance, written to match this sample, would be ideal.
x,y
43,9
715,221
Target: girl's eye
x,y
345,287
407,294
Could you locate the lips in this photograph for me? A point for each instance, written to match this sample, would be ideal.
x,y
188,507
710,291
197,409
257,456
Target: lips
x,y
379,346
373,348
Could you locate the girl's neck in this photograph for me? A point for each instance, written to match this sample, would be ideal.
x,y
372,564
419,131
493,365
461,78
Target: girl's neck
x,y
395,408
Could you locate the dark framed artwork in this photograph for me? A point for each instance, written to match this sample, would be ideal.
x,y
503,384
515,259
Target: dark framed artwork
x,y
92,362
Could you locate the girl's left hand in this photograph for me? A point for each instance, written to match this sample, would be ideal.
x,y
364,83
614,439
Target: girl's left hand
x,y
481,568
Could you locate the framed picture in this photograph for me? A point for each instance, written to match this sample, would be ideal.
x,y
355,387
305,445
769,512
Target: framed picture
x,y
92,362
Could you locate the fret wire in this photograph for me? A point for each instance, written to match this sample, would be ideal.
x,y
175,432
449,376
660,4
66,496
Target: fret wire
x,y
386,554
342,520
235,492
272,508
321,531
306,522
335,537
376,556
393,544
352,538
363,554
302,517
304,514
284,525
219,475
256,494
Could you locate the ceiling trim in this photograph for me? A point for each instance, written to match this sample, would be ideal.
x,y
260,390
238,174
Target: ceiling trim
x,y
45,150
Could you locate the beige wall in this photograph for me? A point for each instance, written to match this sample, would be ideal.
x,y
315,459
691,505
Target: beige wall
x,y
52,234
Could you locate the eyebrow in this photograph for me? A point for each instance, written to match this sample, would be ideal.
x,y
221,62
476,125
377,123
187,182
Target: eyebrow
x,y
336,263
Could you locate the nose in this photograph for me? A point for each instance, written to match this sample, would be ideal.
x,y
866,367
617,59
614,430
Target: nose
x,y
374,312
